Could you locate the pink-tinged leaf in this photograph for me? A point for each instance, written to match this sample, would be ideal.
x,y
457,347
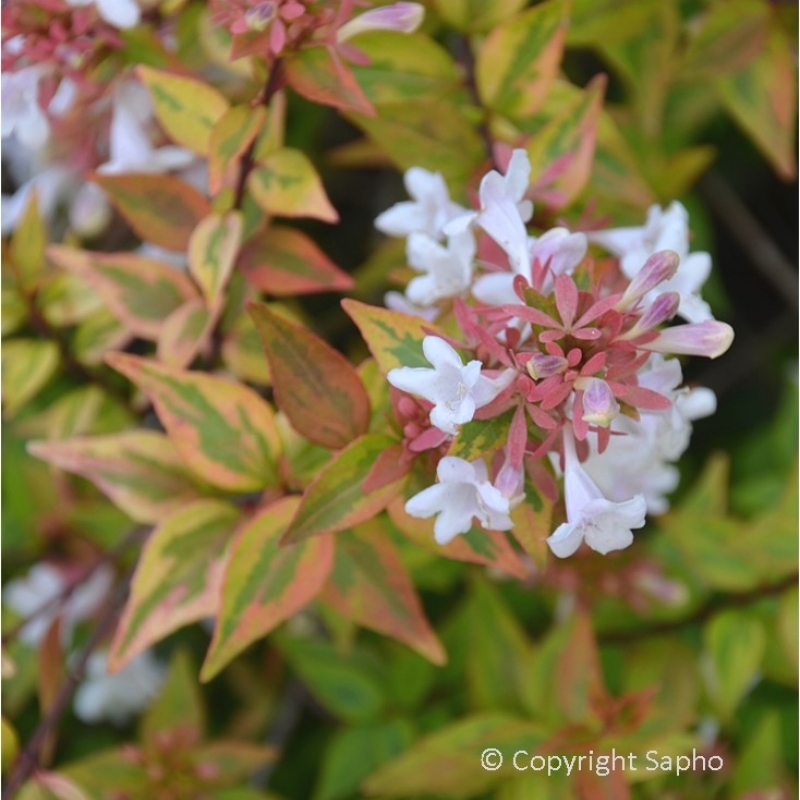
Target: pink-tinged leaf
x,y
315,386
388,468
265,584
97,335
393,338
641,397
320,77
185,332
161,209
286,184
370,586
231,135
139,470
178,577
476,546
519,59
282,261
212,251
243,355
561,152
231,763
335,500
223,430
531,529
139,291
187,108
762,99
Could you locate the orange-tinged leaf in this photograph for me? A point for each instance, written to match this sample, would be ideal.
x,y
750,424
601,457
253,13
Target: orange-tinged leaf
x,y
161,209
223,430
315,386
519,59
27,365
139,470
231,135
531,529
243,354
370,586
213,246
139,291
97,335
282,261
393,338
477,546
762,99
335,500
185,332
273,134
265,584
320,77
561,152
285,183
187,108
178,577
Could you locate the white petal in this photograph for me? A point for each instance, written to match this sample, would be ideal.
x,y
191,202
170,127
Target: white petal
x,y
440,353
565,540
119,13
452,469
402,219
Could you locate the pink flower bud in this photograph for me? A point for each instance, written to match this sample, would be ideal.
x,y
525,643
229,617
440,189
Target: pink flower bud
x,y
658,268
709,338
599,404
661,310
542,365
400,17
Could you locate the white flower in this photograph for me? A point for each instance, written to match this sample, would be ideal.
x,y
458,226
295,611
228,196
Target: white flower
x,y
398,17
663,230
22,116
455,390
463,492
429,211
638,462
396,301
448,269
119,13
41,587
604,525
120,696
504,212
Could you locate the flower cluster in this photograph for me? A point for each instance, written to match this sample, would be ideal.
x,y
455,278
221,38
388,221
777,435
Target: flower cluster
x,y
567,350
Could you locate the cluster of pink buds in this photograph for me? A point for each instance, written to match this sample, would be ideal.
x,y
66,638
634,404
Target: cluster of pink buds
x,y
565,354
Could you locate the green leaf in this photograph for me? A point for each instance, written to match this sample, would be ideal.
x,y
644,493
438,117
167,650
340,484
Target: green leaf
x,y
448,762
139,291
353,753
139,470
161,209
759,771
735,642
109,772
532,526
335,500
265,584
230,137
213,247
185,333
393,338
403,69
561,152
762,100
315,386
178,578
282,261
317,75
178,709
479,438
98,334
187,108
518,60
477,546
608,22
229,763
28,364
223,430
285,183
370,586
27,245
67,299
476,15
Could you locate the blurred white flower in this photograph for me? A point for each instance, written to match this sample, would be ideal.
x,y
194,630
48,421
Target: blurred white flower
x,y
448,270
117,697
119,13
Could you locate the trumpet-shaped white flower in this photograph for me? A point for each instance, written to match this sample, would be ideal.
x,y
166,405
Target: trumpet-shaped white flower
x,y
603,524
398,17
429,210
119,13
448,270
397,301
22,115
455,390
664,230
117,697
36,595
463,493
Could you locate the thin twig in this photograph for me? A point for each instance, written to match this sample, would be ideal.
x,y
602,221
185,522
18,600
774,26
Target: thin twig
x,y
748,232
702,614
28,759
